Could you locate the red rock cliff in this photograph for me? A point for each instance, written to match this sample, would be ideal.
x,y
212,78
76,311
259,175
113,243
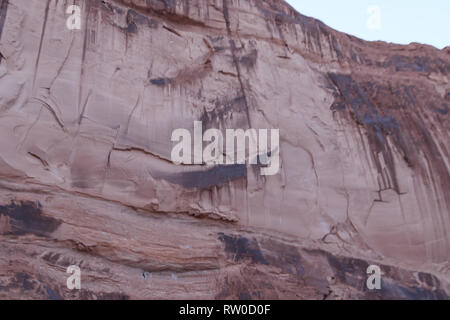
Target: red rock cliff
x,y
86,118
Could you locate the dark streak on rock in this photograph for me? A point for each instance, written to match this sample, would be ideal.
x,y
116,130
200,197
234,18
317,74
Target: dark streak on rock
x,y
22,281
134,18
26,218
249,60
172,31
56,259
396,291
348,270
41,41
208,178
219,49
392,115
224,108
285,257
25,281
161,82
3,12
352,272
188,74
165,9
112,8
429,279
365,113
242,249
52,295
315,273
89,295
443,110
401,63
233,48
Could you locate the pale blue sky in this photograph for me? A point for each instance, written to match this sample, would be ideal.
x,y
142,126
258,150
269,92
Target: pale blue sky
x,y
401,21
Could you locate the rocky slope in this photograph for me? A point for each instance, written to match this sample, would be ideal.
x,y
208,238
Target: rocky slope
x,y
86,118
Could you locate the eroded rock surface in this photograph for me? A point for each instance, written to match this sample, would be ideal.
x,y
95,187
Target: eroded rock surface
x,y
86,118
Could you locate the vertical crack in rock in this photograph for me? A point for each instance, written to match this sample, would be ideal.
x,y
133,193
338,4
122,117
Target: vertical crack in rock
x,y
83,60
41,41
226,15
3,12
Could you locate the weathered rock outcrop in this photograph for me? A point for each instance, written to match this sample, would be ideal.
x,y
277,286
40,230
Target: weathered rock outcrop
x,y
86,178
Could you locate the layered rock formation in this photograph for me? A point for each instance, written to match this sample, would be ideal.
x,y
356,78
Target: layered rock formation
x,y
86,118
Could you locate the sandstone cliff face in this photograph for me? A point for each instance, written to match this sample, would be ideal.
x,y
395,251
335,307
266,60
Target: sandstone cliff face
x,y
86,118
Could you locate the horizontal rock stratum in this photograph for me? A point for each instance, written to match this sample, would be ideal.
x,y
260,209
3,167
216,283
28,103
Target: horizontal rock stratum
x,y
86,176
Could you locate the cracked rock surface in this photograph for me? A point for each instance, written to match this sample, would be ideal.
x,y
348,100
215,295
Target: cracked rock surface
x,y
86,178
